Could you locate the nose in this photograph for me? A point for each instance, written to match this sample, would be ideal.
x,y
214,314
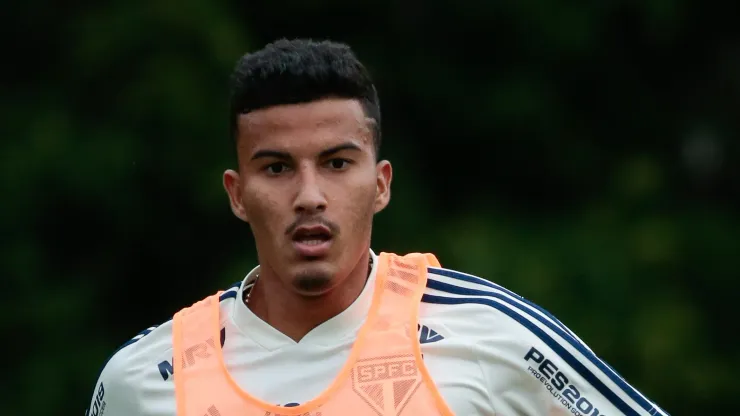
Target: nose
x,y
310,198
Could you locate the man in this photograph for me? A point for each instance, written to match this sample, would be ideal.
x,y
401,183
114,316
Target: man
x,y
324,326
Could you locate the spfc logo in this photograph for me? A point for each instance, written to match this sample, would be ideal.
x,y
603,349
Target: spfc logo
x,y
386,383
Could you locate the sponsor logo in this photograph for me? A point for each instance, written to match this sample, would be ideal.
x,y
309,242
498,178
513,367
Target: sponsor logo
x,y
559,385
199,350
427,335
98,407
386,383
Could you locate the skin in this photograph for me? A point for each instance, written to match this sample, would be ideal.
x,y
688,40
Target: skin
x,y
307,164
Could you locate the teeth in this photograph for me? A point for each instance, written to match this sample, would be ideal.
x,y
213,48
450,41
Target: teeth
x,y
312,242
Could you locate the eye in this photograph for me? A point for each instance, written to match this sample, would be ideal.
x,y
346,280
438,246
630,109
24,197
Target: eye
x,y
339,164
276,168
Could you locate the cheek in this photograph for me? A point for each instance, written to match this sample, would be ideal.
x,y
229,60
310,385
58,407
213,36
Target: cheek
x,y
359,204
263,210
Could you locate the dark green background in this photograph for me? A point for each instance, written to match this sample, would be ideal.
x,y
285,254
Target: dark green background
x,y
583,155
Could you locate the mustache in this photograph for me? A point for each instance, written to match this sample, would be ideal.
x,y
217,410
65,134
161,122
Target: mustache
x,y
334,228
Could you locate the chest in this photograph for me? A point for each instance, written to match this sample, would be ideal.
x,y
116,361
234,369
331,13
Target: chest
x,y
293,375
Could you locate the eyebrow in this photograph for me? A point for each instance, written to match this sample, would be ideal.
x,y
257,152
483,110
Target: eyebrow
x,y
284,155
270,153
336,149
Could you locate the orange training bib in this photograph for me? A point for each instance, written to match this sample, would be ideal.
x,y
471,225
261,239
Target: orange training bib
x,y
384,375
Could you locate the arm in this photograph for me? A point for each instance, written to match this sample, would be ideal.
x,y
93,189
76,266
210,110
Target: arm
x,y
539,368
532,364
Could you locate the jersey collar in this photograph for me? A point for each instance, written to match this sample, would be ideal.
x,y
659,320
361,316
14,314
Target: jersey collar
x,y
332,332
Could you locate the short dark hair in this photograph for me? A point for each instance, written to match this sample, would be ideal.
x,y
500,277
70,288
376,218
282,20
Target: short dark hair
x,y
300,71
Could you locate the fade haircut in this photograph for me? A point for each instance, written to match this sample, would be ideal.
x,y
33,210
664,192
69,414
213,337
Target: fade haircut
x,y
301,71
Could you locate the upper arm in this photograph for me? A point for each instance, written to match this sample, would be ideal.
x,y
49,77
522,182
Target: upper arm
x,y
533,364
114,394
547,370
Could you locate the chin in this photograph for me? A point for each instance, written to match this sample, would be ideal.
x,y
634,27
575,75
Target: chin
x,y
314,280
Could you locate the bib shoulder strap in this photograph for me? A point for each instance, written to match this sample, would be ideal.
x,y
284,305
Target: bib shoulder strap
x,y
192,327
403,280
195,344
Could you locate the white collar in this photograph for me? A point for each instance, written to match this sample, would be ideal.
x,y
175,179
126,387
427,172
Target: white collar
x,y
344,325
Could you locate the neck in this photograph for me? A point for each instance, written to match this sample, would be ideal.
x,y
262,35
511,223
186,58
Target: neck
x,y
295,315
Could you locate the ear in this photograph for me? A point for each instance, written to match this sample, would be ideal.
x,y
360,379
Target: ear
x,y
384,172
233,186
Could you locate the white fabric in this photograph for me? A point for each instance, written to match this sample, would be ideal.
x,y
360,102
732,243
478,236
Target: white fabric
x,y
489,351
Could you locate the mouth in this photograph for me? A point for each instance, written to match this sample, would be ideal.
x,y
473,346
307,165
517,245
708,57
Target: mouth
x,y
312,240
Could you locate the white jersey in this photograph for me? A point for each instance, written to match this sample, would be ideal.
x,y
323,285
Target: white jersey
x,y
489,351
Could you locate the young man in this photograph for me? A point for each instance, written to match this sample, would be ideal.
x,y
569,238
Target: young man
x,y
324,326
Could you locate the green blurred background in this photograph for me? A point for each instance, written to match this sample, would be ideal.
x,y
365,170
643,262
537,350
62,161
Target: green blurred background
x,y
584,156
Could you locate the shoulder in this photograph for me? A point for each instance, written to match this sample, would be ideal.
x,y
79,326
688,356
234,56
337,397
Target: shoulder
x,y
501,325
476,304
519,342
125,373
152,342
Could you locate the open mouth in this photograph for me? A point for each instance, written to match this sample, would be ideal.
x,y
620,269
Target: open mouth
x,y
312,235
312,241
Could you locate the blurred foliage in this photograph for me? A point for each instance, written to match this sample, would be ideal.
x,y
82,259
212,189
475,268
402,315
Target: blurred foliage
x,y
585,156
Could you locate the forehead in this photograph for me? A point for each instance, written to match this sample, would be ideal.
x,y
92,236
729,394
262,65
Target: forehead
x,y
308,125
